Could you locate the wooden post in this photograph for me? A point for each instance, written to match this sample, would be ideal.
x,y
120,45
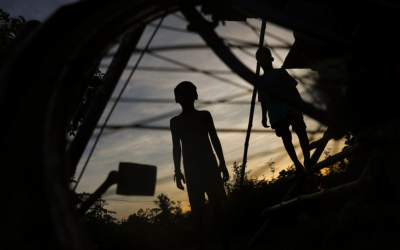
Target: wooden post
x,y
253,98
347,189
355,149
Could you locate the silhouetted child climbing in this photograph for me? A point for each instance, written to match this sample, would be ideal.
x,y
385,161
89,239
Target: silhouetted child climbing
x,y
279,115
192,129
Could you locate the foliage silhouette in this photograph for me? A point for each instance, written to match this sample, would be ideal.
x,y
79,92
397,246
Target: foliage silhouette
x,y
9,27
167,227
164,212
86,101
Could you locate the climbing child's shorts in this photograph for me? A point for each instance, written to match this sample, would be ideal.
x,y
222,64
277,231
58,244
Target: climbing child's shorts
x,y
296,120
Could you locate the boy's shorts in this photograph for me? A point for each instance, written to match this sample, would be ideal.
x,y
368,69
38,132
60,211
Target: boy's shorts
x,y
203,176
296,120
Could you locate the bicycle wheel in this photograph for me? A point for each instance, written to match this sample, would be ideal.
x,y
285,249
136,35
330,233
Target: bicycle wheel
x,y
40,87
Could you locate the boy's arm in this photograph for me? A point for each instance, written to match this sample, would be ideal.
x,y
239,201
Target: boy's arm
x,y
176,153
217,146
264,110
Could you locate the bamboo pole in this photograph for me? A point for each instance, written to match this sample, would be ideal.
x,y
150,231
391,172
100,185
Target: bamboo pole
x,y
355,149
320,149
347,189
226,130
327,137
253,98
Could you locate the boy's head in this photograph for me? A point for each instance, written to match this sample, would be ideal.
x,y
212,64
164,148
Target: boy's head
x,y
185,91
264,56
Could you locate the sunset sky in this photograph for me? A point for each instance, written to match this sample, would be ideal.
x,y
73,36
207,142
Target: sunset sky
x,y
154,147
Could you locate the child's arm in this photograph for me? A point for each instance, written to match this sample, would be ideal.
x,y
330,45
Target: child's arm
x,y
264,110
176,153
217,146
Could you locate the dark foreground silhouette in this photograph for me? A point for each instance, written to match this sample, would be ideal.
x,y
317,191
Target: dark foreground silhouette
x,y
166,226
280,116
192,129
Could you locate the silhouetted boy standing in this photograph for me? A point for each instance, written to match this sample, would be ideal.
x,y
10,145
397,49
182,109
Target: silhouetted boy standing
x,y
192,128
279,115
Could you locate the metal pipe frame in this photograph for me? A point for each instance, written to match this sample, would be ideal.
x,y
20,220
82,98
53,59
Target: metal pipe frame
x,y
206,31
86,129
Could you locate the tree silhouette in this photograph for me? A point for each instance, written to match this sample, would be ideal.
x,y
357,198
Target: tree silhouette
x,y
97,212
9,27
164,212
100,213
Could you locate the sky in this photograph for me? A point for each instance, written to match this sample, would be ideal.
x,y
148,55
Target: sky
x,y
154,147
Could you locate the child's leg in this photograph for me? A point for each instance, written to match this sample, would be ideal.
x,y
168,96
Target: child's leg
x,y
299,126
287,142
222,223
305,146
197,201
198,215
